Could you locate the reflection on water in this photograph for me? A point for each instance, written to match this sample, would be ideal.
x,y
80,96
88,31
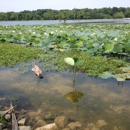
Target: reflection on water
x,y
101,99
74,96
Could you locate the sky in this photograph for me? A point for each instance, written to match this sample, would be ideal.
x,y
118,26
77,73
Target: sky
x,y
21,5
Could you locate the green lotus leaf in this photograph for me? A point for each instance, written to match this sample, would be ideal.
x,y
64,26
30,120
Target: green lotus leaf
x,y
96,44
123,77
107,75
73,45
109,47
127,46
126,69
93,50
117,48
79,43
82,38
82,48
89,45
19,36
37,41
78,62
128,76
69,61
63,43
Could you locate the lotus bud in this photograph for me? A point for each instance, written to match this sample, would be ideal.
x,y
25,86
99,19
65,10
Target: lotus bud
x,y
51,32
102,44
115,39
34,33
69,61
45,33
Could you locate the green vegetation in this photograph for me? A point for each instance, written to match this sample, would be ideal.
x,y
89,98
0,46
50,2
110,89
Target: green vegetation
x,y
101,50
93,65
11,54
48,14
95,39
7,123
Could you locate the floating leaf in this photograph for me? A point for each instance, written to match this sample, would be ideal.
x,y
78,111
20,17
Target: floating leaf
x,y
121,77
79,43
78,62
126,69
117,48
109,47
96,44
93,50
107,75
127,46
63,43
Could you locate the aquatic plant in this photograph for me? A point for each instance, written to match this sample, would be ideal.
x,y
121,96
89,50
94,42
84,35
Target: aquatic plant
x,y
11,54
95,39
89,43
74,95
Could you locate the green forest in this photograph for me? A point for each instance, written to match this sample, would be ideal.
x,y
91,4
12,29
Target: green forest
x,y
50,14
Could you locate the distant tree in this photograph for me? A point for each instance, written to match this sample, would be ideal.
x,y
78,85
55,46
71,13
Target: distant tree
x,y
118,15
127,14
87,15
49,14
13,16
107,16
114,10
60,16
64,16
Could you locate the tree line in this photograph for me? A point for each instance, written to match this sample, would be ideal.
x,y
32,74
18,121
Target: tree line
x,y
50,14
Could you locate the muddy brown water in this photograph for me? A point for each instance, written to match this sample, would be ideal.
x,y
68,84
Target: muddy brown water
x,y
102,99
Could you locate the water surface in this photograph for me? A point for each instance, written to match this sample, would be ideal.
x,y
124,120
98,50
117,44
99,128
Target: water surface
x,y
102,99
49,22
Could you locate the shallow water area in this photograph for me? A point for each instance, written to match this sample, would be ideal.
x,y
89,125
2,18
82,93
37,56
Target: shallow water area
x,y
102,99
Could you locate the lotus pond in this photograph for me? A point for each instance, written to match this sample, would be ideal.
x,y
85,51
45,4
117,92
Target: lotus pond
x,y
96,86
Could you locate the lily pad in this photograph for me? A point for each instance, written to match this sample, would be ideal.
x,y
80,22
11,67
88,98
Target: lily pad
x,y
79,43
126,69
117,48
127,46
123,77
120,77
107,75
109,47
